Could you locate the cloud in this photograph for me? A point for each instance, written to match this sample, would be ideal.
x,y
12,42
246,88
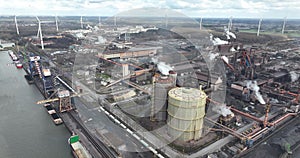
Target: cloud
x,y
204,8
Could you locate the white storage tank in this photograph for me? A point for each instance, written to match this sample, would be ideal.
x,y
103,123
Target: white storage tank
x,y
186,109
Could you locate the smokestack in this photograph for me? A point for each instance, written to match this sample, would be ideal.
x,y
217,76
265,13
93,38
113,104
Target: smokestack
x,y
258,28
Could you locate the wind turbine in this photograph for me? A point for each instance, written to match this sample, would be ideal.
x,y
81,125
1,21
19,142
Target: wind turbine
x,y
201,23
16,22
115,20
99,20
39,33
258,28
230,23
166,19
283,26
81,24
56,23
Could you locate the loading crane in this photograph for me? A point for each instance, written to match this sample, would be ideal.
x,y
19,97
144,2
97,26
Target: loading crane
x,y
64,99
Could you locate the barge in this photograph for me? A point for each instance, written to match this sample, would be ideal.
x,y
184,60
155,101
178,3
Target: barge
x,y
54,116
78,150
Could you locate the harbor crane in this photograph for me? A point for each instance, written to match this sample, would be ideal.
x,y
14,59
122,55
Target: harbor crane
x,y
64,99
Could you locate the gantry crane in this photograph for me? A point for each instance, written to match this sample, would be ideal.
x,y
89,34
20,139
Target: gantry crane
x,y
64,99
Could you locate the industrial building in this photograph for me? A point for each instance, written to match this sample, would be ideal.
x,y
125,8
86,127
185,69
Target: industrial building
x,y
169,96
130,53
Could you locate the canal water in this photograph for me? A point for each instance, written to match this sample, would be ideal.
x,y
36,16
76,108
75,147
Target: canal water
x,y
26,130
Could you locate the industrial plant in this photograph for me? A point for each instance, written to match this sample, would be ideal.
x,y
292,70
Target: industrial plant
x,y
167,88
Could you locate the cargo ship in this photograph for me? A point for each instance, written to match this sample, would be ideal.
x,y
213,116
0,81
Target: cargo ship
x,y
77,149
52,112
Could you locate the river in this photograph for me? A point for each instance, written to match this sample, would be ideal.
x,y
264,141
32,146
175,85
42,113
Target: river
x,y
26,130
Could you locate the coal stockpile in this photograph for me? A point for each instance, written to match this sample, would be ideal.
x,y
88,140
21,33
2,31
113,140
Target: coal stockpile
x,y
63,42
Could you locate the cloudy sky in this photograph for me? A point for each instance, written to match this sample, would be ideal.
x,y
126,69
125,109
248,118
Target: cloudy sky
x,y
192,8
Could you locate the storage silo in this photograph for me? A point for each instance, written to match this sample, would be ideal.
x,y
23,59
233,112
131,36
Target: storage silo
x,y
161,86
186,109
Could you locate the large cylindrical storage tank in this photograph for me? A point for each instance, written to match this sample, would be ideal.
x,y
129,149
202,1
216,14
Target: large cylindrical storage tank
x,y
161,86
186,109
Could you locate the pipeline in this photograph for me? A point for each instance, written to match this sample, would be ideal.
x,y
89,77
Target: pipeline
x,y
282,118
258,133
253,132
246,115
238,111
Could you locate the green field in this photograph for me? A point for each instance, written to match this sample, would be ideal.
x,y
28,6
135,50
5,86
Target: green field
x,y
294,33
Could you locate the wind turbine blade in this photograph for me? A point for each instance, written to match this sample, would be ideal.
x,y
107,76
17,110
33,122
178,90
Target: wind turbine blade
x,y
115,20
81,22
17,28
283,26
56,23
37,18
258,28
41,36
38,33
166,19
201,23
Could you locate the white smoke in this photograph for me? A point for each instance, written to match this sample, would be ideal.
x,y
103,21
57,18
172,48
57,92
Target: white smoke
x,y
231,34
212,56
255,88
228,33
232,49
154,60
163,68
294,76
222,110
217,41
225,59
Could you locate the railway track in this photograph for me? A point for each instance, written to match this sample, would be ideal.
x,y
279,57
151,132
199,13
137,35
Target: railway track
x,y
99,145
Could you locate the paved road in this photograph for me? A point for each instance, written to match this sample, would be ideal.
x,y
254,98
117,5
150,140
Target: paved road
x,y
98,122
